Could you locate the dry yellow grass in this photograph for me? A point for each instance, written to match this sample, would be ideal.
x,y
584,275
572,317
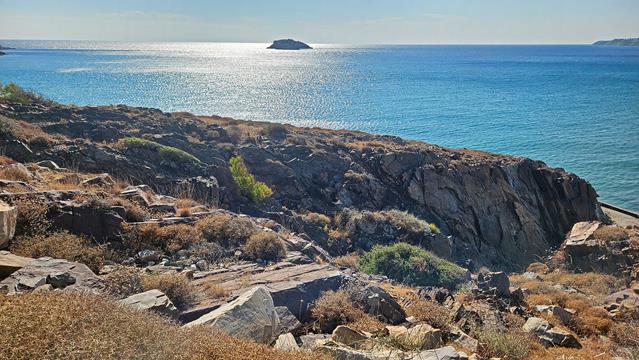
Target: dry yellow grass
x,y
431,312
5,160
15,174
335,308
349,261
176,287
83,326
264,245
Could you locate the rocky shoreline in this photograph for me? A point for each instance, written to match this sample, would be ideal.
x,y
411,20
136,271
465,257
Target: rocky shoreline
x,y
297,243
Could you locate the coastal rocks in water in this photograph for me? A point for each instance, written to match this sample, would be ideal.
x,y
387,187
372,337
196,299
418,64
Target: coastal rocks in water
x,y
154,300
549,335
251,316
8,217
55,273
288,44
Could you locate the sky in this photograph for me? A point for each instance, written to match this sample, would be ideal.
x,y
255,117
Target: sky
x,y
323,21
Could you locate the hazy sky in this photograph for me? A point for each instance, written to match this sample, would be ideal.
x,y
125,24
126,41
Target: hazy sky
x,y
323,21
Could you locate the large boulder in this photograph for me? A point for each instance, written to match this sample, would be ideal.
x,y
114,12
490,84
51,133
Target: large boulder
x,y
549,335
153,300
376,301
10,263
8,216
52,273
496,283
251,316
418,337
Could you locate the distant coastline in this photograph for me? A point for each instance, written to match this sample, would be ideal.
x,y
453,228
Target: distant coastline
x,y
619,42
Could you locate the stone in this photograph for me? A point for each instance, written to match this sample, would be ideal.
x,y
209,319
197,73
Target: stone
x,y
377,302
466,341
48,164
288,321
37,272
99,223
101,180
251,316
418,337
153,300
350,337
309,341
8,217
338,351
496,282
10,263
550,336
286,342
433,293
560,313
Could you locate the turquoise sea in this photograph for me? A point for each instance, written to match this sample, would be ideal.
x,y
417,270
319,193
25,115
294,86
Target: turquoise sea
x,y
572,106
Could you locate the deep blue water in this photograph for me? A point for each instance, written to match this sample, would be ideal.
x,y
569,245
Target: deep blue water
x,y
575,106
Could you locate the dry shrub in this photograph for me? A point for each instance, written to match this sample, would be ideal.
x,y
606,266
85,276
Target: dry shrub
x,y
626,334
184,212
499,344
349,261
186,203
538,268
32,216
215,291
60,245
59,325
226,230
334,308
592,349
123,281
431,312
264,245
15,173
590,322
176,286
590,283
134,212
611,233
171,238
5,160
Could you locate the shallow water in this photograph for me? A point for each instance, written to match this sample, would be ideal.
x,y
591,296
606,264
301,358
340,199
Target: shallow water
x,y
572,106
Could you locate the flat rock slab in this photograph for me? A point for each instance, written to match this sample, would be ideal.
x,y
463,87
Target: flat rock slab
x,y
47,271
10,263
293,286
154,300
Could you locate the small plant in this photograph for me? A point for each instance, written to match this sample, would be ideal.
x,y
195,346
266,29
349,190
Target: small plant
x,y
123,281
505,345
264,245
334,308
349,261
226,230
255,190
411,265
175,286
15,173
184,212
168,154
15,94
32,216
430,312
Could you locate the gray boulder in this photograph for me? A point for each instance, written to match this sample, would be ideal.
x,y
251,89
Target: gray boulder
x,y
57,273
153,300
251,316
288,321
286,342
376,301
550,336
8,217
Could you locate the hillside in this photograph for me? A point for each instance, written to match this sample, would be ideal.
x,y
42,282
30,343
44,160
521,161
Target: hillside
x,y
619,42
170,235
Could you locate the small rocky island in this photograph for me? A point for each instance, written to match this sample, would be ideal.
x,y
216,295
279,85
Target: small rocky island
x,y
619,42
289,44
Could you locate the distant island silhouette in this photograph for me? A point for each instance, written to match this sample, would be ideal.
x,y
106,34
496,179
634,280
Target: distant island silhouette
x,y
288,44
619,42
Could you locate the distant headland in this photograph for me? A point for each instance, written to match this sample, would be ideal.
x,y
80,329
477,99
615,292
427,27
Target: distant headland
x,y
619,42
288,44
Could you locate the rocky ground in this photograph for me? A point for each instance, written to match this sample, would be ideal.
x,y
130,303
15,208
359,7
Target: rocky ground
x,y
310,243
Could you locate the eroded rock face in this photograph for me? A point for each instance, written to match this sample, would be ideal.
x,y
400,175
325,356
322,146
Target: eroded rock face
x,y
251,316
501,211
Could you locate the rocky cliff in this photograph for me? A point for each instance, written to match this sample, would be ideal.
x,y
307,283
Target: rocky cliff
x,y
497,210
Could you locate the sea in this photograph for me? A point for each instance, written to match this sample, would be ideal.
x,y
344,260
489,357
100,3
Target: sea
x,y
572,106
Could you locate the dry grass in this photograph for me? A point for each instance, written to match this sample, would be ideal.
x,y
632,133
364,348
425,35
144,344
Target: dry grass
x,y
134,212
176,286
507,345
538,268
592,349
123,281
335,308
432,313
60,245
15,173
626,334
171,238
184,212
611,233
32,216
226,230
349,261
5,160
215,291
58,325
264,245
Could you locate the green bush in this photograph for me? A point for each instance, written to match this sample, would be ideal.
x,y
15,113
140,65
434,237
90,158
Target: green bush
x,y
15,94
255,190
411,265
167,153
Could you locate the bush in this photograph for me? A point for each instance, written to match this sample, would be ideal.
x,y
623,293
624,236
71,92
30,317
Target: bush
x,y
123,281
255,190
15,173
411,265
14,93
611,233
168,154
175,286
171,238
334,308
264,245
226,230
76,325
500,344
430,312
60,245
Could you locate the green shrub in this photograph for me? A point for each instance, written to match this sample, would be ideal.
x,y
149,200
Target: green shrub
x,y
411,265
255,190
264,245
167,153
15,94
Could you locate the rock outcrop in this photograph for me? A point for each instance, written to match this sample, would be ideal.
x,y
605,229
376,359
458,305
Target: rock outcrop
x,y
288,44
10,263
549,335
153,300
